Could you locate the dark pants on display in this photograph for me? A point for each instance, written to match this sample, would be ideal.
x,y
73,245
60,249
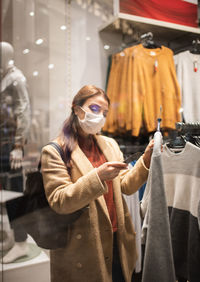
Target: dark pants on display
x,y
11,180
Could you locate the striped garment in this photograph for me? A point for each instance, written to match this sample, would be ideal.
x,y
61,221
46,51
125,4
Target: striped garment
x,y
182,186
158,257
181,174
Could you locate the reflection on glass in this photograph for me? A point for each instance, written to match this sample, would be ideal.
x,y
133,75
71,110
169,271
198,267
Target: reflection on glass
x,y
14,129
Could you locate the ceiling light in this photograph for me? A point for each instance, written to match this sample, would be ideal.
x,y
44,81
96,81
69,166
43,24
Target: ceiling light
x,y
106,47
11,62
63,27
25,51
51,66
32,14
88,38
39,41
35,73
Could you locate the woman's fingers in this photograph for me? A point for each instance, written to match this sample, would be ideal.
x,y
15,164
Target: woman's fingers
x,y
119,165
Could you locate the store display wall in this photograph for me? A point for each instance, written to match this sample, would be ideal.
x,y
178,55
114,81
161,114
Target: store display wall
x,y
58,49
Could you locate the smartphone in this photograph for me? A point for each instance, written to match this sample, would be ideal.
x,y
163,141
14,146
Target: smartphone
x,y
133,157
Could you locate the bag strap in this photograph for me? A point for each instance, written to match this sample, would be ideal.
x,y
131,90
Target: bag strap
x,y
58,148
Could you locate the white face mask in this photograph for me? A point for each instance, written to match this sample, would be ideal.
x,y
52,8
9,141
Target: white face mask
x,y
92,123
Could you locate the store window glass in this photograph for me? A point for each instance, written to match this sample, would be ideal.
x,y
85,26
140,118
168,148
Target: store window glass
x,y
49,49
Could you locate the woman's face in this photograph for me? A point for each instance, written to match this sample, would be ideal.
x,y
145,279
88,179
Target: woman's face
x,y
96,105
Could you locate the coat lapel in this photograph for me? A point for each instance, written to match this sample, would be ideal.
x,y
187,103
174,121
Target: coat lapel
x,y
107,151
81,161
110,156
85,166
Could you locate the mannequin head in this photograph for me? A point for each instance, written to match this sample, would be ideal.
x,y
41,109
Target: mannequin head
x,y
7,56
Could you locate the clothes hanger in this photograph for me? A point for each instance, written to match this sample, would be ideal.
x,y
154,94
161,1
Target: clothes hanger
x,y
148,42
195,49
197,140
194,139
177,143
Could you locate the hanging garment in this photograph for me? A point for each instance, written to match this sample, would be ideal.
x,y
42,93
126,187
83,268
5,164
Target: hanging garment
x,y
181,172
154,85
182,188
141,80
158,257
188,74
133,204
119,90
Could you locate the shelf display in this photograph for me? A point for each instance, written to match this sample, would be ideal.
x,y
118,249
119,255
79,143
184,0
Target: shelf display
x,y
188,74
173,11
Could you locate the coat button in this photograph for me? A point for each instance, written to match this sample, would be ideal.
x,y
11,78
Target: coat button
x,y
79,265
79,236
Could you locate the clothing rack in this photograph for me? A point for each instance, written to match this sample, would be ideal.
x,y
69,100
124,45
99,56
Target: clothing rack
x,y
193,47
188,128
189,131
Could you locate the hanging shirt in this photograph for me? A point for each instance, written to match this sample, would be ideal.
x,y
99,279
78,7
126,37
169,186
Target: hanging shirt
x,y
119,85
96,157
188,74
155,84
158,258
181,174
141,80
133,204
182,188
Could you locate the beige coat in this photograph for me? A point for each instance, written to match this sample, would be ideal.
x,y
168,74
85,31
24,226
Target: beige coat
x,y
88,254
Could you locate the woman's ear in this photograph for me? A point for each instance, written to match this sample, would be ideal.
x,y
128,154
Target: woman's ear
x,y
79,112
76,110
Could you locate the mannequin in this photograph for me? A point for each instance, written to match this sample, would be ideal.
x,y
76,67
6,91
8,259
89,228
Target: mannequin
x,y
14,127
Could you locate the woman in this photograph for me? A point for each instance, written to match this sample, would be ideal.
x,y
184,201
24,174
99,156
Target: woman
x,y
101,243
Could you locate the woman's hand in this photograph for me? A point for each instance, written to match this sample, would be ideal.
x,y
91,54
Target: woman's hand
x,y
109,170
147,153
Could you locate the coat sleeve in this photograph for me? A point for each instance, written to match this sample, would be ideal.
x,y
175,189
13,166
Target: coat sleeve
x,y
131,179
63,195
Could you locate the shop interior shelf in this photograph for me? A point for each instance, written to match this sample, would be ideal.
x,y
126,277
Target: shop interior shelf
x,y
162,31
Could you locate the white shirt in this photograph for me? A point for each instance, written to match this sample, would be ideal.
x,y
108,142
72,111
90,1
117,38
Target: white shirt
x,y
189,81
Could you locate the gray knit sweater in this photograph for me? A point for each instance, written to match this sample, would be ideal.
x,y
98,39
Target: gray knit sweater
x,y
158,259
